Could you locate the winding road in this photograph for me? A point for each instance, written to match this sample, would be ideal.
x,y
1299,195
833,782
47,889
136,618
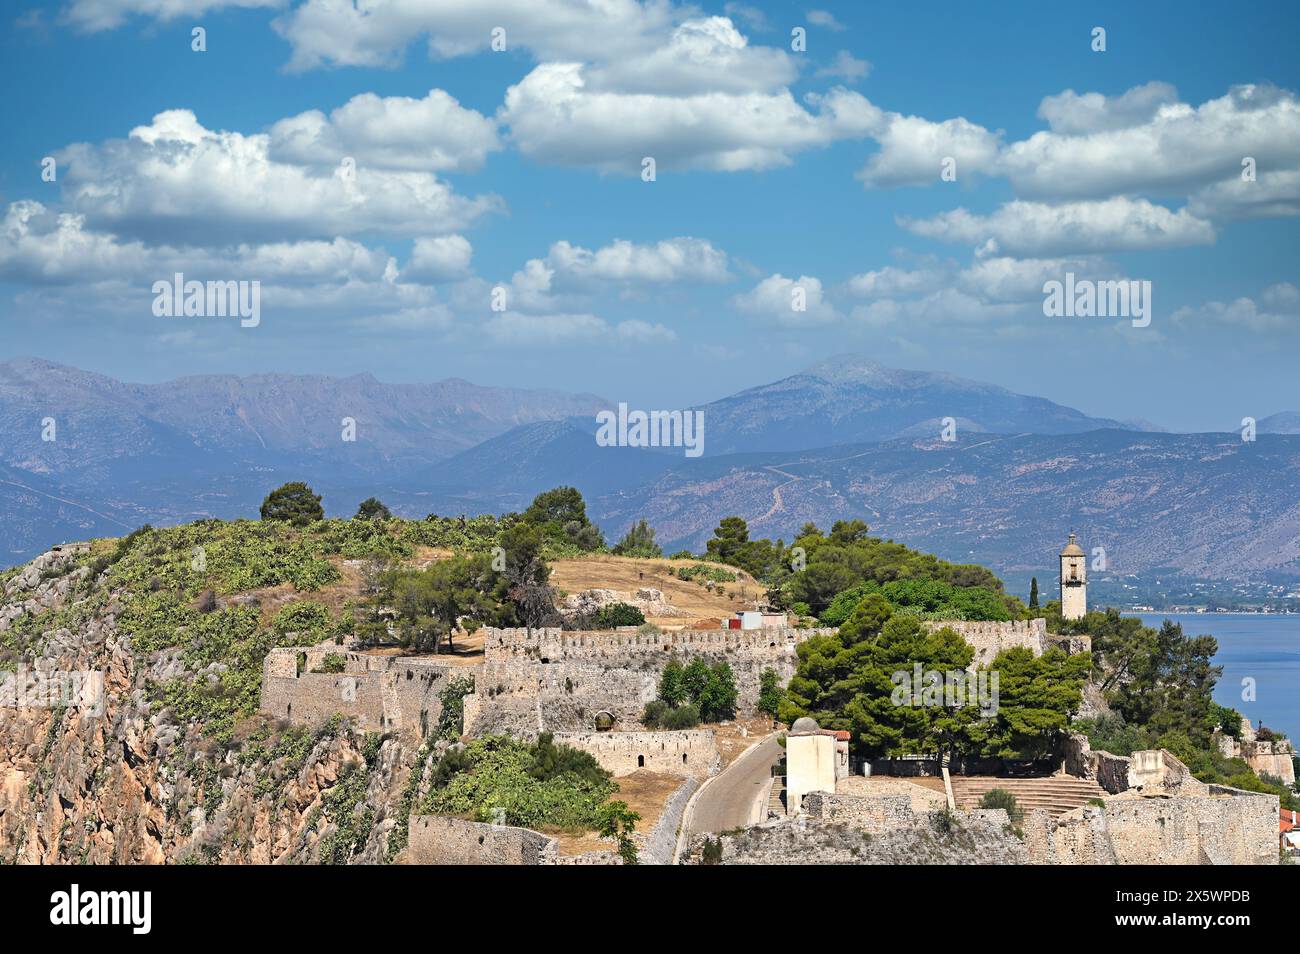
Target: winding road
x,y
737,796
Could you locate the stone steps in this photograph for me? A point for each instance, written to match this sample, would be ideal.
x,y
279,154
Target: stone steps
x,y
1055,794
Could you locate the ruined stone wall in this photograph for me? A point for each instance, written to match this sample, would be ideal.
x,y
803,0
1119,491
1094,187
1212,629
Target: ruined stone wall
x,y
1109,771
381,693
688,752
523,698
871,813
443,840
1219,826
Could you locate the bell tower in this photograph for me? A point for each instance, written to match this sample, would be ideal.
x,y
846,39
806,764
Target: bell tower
x,y
1074,580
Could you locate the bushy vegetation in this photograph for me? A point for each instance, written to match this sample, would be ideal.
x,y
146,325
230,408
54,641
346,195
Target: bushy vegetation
x,y
537,785
1000,798
848,681
928,599
702,572
708,692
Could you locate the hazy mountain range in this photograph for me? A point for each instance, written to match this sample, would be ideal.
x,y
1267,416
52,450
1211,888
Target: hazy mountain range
x,y
844,438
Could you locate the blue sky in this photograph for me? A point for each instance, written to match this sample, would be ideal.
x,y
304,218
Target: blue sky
x,y
777,170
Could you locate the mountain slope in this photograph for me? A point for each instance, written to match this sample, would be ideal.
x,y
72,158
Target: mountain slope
x,y
850,399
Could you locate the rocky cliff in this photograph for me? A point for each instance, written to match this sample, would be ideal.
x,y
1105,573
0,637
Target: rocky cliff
x,y
146,773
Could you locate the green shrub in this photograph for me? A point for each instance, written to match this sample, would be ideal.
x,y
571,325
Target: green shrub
x,y
1001,798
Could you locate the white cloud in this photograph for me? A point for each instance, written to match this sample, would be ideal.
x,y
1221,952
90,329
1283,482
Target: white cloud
x,y
555,117
941,307
845,66
826,20
1176,150
329,32
682,259
794,302
95,15
892,280
1274,193
705,55
912,150
1277,310
438,259
1070,113
1033,229
392,132
176,180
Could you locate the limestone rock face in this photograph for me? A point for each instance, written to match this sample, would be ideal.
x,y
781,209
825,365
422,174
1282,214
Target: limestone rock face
x,y
650,601
136,783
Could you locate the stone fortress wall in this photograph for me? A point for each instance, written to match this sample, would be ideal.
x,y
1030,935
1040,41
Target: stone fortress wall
x,y
558,680
991,637
382,693
692,753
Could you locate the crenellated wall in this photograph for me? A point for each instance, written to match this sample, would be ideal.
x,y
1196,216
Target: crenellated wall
x,y
558,680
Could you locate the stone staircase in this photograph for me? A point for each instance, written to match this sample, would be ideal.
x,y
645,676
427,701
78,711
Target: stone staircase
x,y
776,800
1057,794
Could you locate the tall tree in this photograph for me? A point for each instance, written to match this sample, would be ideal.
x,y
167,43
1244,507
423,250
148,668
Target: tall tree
x,y
639,541
1033,593
293,503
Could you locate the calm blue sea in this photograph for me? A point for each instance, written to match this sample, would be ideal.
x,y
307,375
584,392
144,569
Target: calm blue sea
x,y
1263,647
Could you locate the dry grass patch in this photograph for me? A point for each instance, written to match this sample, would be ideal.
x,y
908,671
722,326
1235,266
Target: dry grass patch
x,y
629,574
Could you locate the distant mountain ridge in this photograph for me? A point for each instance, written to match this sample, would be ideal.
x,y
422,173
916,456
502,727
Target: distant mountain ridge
x,y
851,399
844,438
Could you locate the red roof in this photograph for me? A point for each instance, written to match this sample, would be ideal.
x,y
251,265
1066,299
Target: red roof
x,y
1288,821
841,735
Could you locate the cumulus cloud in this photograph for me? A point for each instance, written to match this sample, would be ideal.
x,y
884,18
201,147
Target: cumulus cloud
x,y
555,117
682,259
331,33
39,245
1143,141
176,180
1070,113
912,150
432,134
793,302
439,258
1032,229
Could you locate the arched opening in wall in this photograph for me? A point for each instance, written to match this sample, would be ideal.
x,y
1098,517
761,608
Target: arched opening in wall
x,y
640,761
288,711
683,758
424,722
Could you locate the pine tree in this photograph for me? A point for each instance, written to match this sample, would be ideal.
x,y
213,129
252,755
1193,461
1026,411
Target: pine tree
x,y
1033,593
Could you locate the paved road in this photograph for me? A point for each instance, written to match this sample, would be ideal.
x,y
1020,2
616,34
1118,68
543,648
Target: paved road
x,y
729,801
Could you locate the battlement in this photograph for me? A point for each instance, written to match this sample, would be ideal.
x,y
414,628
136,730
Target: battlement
x,y
551,644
